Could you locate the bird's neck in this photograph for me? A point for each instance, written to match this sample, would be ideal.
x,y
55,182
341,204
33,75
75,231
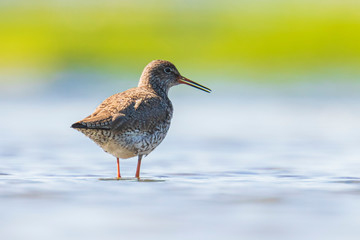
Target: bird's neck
x,y
155,86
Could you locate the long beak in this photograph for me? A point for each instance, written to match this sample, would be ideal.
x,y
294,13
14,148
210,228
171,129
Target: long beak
x,y
186,81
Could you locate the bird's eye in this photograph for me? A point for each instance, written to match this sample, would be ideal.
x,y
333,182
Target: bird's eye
x,y
167,70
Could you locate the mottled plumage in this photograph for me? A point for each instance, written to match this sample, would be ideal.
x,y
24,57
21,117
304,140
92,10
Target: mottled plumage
x,y
134,122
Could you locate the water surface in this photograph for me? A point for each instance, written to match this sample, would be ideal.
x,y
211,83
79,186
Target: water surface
x,y
241,162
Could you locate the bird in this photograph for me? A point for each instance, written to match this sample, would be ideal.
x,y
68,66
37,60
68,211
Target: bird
x,y
134,122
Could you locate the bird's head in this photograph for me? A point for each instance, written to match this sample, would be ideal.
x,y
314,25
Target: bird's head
x,y
162,75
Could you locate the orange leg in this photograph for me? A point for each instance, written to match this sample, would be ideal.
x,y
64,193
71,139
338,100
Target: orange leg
x,y
137,175
118,168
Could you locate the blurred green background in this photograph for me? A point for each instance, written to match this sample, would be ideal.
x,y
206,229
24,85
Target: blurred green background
x,y
251,40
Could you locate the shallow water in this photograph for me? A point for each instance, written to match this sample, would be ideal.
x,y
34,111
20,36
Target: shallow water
x,y
251,163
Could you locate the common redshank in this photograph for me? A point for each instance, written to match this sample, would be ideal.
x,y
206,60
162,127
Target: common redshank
x,y
134,122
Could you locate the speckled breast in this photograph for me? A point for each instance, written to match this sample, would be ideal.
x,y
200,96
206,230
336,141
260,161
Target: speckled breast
x,y
142,142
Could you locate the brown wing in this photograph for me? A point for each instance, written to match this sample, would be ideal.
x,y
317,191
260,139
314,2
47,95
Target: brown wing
x,y
125,110
102,117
